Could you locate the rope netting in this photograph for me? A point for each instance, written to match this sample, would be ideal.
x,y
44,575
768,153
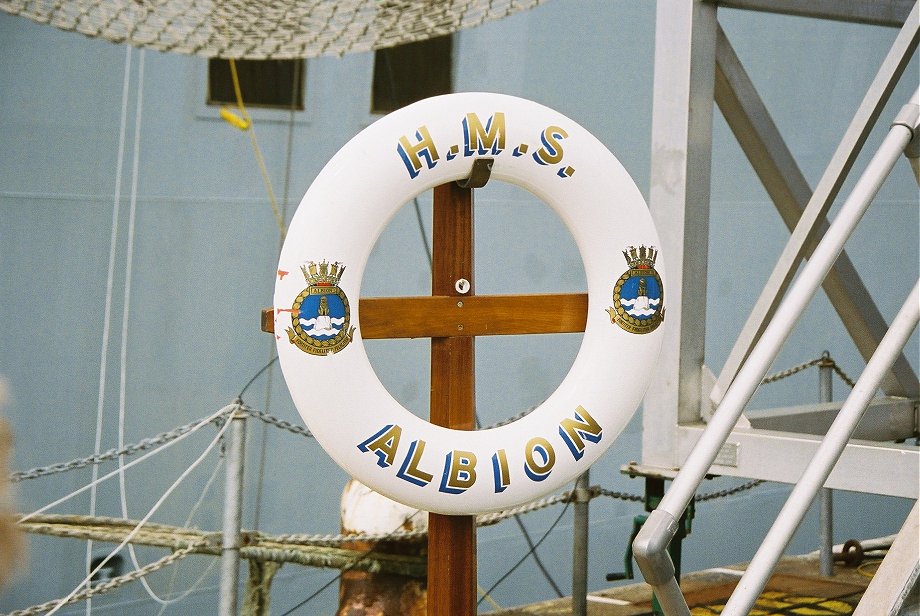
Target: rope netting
x,y
260,29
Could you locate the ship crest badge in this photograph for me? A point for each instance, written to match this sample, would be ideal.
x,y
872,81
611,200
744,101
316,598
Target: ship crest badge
x,y
320,316
638,296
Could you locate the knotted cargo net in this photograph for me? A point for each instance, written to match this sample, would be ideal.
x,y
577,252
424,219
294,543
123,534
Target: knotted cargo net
x,y
260,29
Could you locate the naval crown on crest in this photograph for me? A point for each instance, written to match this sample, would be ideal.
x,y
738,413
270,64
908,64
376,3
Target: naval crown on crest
x,y
323,274
642,257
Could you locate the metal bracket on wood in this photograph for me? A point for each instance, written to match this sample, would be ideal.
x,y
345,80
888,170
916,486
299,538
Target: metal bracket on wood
x,y
479,174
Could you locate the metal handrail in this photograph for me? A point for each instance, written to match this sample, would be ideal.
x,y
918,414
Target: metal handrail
x,y
819,468
650,545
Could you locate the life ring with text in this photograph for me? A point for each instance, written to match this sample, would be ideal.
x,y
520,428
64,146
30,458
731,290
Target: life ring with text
x,y
318,324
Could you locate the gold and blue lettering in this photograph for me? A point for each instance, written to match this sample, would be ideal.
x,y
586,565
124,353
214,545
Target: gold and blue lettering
x,y
459,472
575,431
479,139
551,152
412,154
409,470
500,473
383,443
538,470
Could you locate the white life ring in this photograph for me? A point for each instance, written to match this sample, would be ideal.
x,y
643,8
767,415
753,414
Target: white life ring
x,y
318,325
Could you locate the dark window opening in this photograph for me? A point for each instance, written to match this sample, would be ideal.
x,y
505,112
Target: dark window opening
x,y
408,73
275,84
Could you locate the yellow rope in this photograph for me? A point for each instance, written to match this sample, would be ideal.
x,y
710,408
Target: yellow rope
x,y
863,569
488,599
246,124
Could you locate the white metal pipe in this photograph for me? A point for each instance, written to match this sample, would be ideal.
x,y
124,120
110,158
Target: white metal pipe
x,y
580,522
671,599
826,501
787,315
233,515
821,465
868,545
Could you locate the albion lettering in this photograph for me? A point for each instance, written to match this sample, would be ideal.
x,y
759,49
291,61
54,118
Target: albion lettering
x,y
459,469
575,432
478,137
384,444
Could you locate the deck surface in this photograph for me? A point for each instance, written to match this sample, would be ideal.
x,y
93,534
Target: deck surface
x,y
796,589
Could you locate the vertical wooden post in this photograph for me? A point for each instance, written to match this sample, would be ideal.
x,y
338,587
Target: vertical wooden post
x,y
452,539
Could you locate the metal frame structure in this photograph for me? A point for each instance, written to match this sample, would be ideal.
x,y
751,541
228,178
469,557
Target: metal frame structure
x,y
695,68
693,423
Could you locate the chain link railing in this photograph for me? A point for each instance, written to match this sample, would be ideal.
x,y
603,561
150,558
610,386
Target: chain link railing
x,y
825,361
339,539
171,435
112,454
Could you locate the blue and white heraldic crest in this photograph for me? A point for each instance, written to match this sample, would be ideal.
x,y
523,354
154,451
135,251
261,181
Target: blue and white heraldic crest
x,y
320,316
638,296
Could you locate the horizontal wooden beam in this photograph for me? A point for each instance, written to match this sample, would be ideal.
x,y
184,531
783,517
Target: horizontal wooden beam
x,y
479,315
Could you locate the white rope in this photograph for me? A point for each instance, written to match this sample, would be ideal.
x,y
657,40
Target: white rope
x,y
144,520
188,521
109,585
285,195
107,315
129,268
194,587
207,420
126,312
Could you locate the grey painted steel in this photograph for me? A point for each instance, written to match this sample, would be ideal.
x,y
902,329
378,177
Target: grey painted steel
x,y
787,315
790,517
826,511
890,587
233,515
826,501
886,419
783,456
681,157
806,230
877,12
650,549
759,138
580,529
765,351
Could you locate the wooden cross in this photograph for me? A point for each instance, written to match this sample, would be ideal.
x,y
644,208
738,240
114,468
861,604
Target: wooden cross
x,y
452,319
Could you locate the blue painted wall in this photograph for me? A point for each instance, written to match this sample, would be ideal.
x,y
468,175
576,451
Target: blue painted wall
x,y
203,248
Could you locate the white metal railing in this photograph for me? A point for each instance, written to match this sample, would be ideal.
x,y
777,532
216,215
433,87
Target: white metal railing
x,y
649,547
818,470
